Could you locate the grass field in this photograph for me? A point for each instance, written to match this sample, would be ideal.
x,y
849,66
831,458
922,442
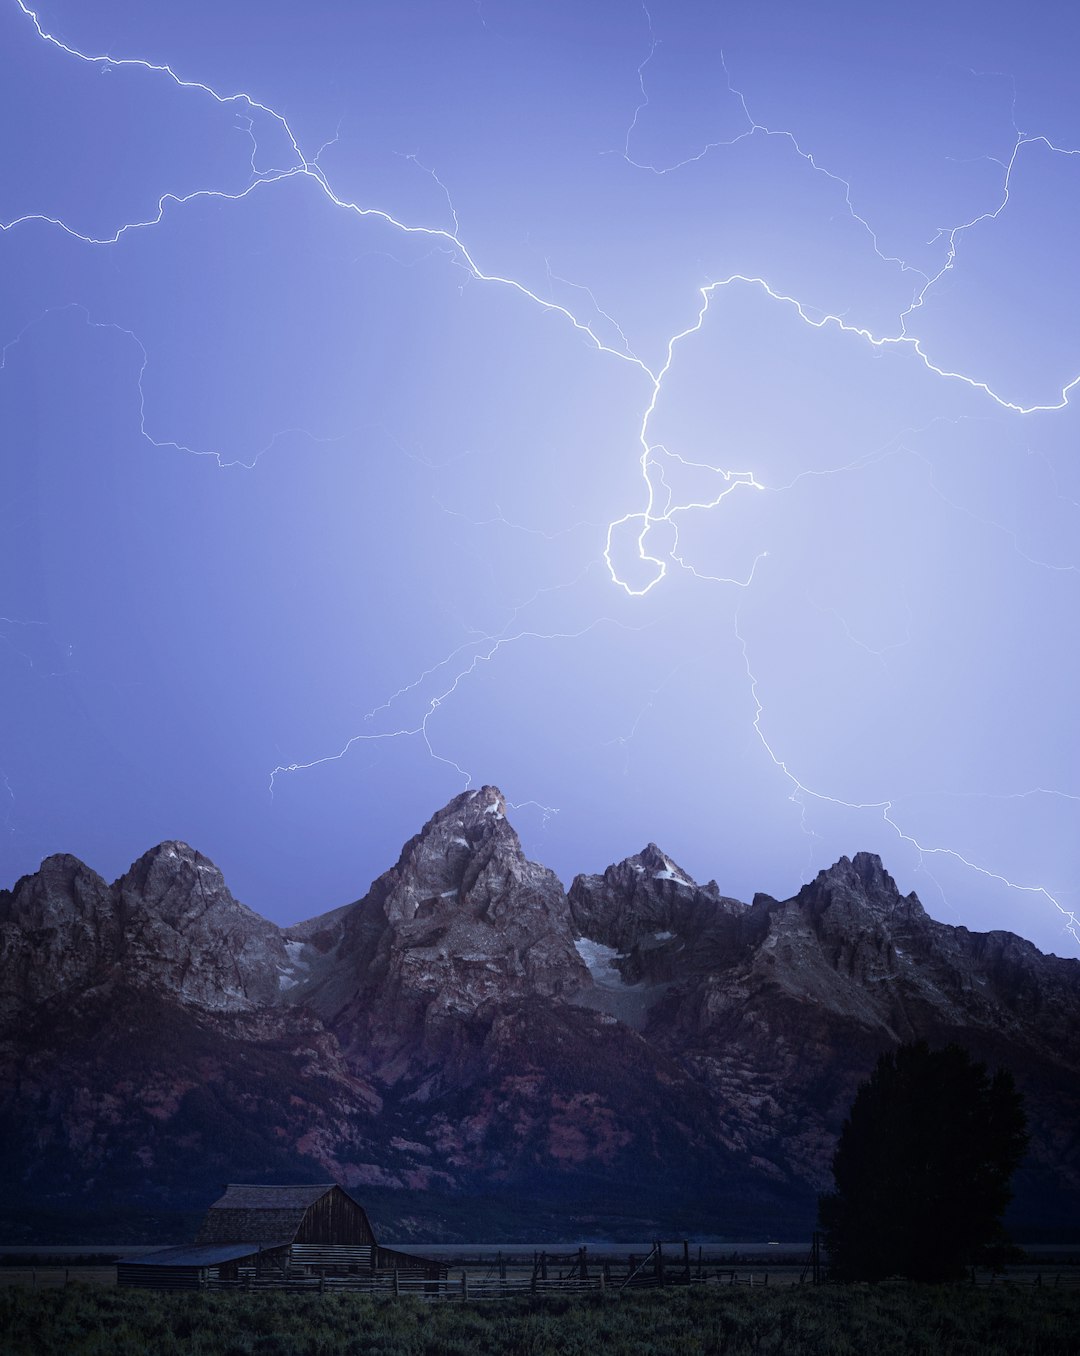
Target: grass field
x,y
891,1319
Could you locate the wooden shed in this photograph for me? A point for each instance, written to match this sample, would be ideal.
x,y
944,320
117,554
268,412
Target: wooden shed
x,y
276,1234
195,1265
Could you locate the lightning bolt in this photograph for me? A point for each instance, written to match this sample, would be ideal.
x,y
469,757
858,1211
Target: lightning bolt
x,y
801,792
486,651
9,809
659,508
223,459
8,638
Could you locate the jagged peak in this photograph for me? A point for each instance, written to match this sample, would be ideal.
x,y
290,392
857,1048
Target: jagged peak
x,y
61,861
469,840
471,819
170,862
658,864
651,862
866,867
173,849
59,865
60,877
177,883
865,876
476,803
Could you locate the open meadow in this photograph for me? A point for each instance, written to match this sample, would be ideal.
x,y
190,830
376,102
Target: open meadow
x,y
890,1319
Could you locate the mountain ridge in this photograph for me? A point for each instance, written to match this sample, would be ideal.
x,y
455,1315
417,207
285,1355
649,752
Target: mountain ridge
x,y
477,1044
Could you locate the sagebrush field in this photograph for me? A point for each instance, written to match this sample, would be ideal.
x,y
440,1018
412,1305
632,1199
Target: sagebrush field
x,y
891,1319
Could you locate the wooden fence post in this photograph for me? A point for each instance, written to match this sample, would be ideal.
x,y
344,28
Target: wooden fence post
x,y
659,1262
686,1257
464,1285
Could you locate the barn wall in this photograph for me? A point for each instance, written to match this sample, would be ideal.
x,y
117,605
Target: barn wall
x,y
333,1259
388,1259
335,1218
161,1278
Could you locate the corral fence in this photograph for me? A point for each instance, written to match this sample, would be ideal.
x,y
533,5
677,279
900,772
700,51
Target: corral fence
x,y
505,1278
43,1277
1058,1280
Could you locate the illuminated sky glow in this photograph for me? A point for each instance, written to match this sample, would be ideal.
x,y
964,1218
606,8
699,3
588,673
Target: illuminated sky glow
x,y
662,412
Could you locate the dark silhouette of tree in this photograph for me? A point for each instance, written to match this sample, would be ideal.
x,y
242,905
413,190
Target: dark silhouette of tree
x,y
922,1167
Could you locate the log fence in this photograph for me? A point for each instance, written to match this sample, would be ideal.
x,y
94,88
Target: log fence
x,y
551,1273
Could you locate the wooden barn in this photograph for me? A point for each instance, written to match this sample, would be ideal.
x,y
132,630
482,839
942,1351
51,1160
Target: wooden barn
x,y
277,1232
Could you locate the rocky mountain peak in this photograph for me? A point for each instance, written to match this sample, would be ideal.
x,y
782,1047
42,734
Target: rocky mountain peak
x,y
177,882
475,805
61,890
462,920
854,887
181,920
467,864
643,896
58,928
651,858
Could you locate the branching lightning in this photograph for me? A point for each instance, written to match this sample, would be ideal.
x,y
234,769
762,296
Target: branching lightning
x,y
801,792
161,444
9,629
639,568
485,651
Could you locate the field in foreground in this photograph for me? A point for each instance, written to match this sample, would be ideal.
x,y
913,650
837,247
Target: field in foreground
x,y
888,1320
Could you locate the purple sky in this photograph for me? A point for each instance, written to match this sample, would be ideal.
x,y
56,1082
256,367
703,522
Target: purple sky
x,y
662,413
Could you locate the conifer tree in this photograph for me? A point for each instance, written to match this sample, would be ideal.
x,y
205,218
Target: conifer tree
x,y
922,1166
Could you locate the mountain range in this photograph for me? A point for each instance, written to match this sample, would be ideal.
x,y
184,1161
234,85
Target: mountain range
x,y
481,1055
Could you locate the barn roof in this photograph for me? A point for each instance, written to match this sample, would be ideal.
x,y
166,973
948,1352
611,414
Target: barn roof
x,y
197,1254
265,1213
244,1197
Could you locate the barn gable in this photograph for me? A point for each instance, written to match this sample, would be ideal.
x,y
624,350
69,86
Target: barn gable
x,y
322,1214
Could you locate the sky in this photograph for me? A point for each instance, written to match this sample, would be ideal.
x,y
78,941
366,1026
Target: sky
x,y
663,412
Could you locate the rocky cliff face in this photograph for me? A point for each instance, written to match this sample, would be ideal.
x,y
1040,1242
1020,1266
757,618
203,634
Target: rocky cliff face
x,y
479,1052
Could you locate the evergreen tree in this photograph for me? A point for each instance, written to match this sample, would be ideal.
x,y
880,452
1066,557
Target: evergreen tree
x,y
922,1166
